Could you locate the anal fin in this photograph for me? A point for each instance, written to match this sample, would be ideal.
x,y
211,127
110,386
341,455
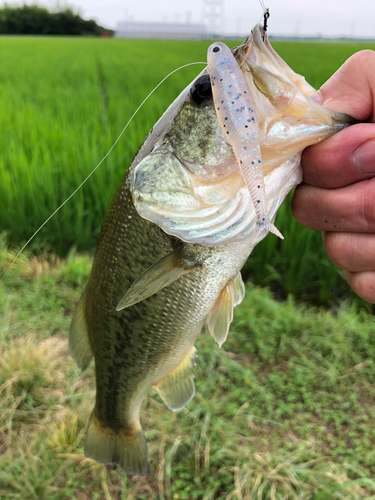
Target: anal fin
x,y
79,343
161,274
177,388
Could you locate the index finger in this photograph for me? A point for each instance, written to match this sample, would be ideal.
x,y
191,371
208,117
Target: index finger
x,y
350,90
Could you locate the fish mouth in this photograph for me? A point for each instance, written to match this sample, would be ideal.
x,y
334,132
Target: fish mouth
x,y
207,202
209,173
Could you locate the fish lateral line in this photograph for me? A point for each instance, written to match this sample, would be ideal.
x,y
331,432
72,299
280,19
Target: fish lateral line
x,y
237,119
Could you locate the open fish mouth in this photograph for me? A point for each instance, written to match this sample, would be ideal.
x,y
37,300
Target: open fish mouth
x,y
191,185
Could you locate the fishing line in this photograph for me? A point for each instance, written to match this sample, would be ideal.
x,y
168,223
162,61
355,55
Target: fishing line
x,y
98,165
262,4
266,15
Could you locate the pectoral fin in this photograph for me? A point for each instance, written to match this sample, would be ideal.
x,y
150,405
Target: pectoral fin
x,y
161,274
221,315
79,343
177,388
239,289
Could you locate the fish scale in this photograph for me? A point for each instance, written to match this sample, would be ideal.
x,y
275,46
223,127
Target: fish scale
x,y
237,119
138,347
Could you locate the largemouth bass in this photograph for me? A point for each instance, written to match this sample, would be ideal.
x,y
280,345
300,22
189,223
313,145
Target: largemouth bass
x,y
181,225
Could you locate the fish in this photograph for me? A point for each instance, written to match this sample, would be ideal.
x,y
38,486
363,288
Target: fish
x,y
178,230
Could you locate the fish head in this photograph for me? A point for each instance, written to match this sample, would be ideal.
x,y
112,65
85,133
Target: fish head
x,y
196,136
187,178
191,168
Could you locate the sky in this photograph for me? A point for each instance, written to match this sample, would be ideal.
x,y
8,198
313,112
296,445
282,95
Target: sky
x,y
292,17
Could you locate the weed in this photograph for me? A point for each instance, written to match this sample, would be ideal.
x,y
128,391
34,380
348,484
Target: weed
x,y
283,411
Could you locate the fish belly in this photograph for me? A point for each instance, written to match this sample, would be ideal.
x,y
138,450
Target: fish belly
x,y
140,346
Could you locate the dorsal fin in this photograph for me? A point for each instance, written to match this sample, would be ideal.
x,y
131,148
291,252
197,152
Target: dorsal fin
x,y
79,343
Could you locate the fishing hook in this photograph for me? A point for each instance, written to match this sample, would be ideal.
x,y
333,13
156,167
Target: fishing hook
x,y
265,17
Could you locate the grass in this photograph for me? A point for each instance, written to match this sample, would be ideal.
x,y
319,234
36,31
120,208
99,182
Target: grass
x,y
67,99
284,411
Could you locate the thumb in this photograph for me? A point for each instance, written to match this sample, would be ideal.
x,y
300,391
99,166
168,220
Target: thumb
x,y
348,156
351,89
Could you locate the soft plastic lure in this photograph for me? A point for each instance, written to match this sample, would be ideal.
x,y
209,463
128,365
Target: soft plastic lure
x,y
237,119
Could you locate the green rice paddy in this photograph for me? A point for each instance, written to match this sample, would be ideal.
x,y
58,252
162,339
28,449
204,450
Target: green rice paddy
x,y
63,103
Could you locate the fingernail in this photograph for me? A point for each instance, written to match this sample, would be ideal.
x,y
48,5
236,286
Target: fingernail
x,y
363,158
317,97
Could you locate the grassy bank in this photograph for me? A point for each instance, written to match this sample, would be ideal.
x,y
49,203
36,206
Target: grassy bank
x,y
67,99
285,410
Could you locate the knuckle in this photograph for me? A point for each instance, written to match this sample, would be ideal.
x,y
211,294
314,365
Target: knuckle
x,y
338,249
298,204
305,205
366,204
331,247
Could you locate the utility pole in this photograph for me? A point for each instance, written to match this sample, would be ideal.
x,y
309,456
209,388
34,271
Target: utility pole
x,y
213,17
238,24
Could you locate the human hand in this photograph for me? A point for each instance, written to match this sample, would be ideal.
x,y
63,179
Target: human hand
x,y
337,195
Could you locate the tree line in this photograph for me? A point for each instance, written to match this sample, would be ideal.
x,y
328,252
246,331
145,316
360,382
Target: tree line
x,y
37,20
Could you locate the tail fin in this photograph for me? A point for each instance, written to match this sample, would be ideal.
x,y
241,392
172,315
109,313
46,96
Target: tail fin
x,y
259,228
126,447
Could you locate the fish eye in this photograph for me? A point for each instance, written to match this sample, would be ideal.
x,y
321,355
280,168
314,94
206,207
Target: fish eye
x,y
216,49
201,93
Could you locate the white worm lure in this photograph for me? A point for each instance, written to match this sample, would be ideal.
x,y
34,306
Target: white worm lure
x,y
237,119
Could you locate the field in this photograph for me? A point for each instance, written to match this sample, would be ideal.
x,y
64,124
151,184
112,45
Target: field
x,y
64,104
284,411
